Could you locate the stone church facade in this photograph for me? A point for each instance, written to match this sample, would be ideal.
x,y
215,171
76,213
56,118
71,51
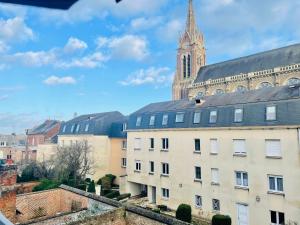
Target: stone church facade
x,y
194,78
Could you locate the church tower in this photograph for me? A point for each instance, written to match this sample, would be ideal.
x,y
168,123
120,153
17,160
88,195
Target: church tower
x,y
190,56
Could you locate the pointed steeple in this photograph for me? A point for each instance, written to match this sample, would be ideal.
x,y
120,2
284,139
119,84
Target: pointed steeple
x,y
191,26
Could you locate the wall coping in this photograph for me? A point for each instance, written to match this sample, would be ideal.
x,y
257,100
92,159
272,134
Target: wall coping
x,y
128,207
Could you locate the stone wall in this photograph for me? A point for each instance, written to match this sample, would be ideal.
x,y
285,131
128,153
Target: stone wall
x,y
23,188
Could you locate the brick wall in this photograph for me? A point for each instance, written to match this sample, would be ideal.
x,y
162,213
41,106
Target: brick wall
x,y
8,178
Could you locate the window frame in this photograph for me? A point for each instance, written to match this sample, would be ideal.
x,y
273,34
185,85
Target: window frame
x,y
87,126
165,193
165,169
123,162
138,122
152,120
138,166
267,117
196,140
236,115
124,144
196,178
239,153
179,114
277,217
199,117
276,178
198,198
242,174
151,170
214,201
165,119
165,144
213,182
217,146
152,144
211,121
135,144
279,155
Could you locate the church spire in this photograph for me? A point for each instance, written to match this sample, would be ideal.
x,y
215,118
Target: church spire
x,y
191,26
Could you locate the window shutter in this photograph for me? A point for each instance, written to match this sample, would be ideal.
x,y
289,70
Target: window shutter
x,y
215,175
214,146
273,148
137,143
239,146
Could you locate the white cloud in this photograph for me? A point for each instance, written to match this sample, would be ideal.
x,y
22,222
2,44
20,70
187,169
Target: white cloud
x,y
54,80
170,30
15,29
154,76
125,47
90,61
3,47
3,97
74,44
143,23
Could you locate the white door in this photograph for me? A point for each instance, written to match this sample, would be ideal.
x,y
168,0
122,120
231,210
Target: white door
x,y
242,211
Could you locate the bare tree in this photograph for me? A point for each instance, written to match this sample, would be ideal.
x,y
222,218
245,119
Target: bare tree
x,y
74,161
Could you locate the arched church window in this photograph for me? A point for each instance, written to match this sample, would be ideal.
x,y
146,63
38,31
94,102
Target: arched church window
x,y
265,85
184,67
219,92
241,89
293,81
189,66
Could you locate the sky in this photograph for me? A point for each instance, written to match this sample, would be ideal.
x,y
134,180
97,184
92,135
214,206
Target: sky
x,y
100,56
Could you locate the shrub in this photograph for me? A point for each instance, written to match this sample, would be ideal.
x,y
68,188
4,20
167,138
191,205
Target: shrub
x,y
107,181
105,192
46,185
81,187
184,213
123,196
156,210
221,220
112,194
162,207
88,180
91,187
28,174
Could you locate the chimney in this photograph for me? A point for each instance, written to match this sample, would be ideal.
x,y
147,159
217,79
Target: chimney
x,y
8,180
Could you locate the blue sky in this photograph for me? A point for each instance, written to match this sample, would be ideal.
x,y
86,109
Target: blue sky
x,y
99,56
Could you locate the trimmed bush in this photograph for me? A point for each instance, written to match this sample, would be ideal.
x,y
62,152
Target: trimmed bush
x,y
46,185
156,210
88,180
91,187
163,207
123,196
221,220
113,194
184,213
81,187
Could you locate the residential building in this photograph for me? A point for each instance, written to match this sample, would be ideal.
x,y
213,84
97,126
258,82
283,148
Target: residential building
x,y
235,154
13,147
105,134
195,78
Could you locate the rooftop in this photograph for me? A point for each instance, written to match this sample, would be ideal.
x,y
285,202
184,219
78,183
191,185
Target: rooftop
x,y
261,61
44,127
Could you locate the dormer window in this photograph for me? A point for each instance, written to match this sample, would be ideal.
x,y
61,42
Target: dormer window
x,y
86,128
64,128
138,121
165,119
271,113
197,117
213,116
238,115
77,128
72,128
152,121
179,117
124,127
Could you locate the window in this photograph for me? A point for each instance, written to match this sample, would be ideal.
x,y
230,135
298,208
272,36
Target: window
x,y
238,115
214,147
213,116
124,127
273,148
72,128
86,129
215,176
138,121
197,117
152,121
241,89
275,183
64,128
219,92
277,218
241,179
124,144
165,144
189,66
198,201
216,204
165,119
165,169
271,113
197,173
184,66
239,146
165,193
151,143
138,165
197,145
293,81
179,118
124,162
137,143
151,164
77,128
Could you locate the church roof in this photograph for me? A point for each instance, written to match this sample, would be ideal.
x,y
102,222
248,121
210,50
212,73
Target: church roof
x,y
261,61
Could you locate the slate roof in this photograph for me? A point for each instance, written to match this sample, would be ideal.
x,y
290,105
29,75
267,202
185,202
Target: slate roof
x,y
253,103
261,61
55,4
44,128
107,123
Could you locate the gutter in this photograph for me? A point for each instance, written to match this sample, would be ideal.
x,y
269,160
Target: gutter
x,y
4,220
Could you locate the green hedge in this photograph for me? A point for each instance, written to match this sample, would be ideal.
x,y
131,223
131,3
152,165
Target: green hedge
x,y
162,207
112,194
184,213
123,196
91,187
46,185
221,220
